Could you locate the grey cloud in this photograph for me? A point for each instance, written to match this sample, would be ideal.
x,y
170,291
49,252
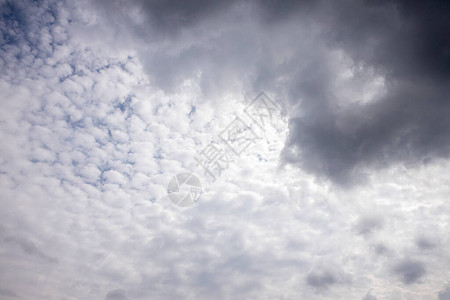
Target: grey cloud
x,y
165,17
445,294
409,271
381,249
323,278
409,123
175,14
369,296
429,236
169,17
8,293
28,247
425,243
224,42
410,127
116,295
368,224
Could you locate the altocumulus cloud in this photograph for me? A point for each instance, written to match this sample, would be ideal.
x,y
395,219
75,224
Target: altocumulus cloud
x,y
102,102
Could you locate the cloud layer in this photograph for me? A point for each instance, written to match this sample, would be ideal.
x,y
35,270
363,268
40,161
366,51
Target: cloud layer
x,y
103,102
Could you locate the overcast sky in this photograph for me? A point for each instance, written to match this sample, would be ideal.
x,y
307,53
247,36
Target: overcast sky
x,y
344,195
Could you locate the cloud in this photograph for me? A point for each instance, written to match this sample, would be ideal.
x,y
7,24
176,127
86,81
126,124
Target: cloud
x,y
28,247
97,117
380,249
322,278
369,296
407,122
8,293
425,243
409,271
368,88
429,237
116,295
444,294
368,224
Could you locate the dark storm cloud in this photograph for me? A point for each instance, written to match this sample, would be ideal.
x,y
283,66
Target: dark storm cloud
x,y
409,271
408,42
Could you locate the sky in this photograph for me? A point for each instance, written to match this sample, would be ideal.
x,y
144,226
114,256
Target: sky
x,y
344,193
